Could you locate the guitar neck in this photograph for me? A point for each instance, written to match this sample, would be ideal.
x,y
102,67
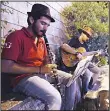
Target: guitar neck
x,y
90,53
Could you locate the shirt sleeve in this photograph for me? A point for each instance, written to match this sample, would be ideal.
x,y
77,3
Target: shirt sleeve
x,y
11,47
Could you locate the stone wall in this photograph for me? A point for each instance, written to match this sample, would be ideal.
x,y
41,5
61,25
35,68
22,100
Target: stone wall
x,y
16,18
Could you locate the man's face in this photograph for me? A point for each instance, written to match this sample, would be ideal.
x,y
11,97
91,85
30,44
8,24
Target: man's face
x,y
40,25
84,37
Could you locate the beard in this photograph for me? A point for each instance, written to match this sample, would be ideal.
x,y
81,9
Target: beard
x,y
35,30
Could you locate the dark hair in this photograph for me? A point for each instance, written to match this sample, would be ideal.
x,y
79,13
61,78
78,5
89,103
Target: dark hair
x,y
35,18
28,21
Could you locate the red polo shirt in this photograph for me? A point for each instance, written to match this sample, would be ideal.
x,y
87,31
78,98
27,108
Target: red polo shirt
x,y
20,47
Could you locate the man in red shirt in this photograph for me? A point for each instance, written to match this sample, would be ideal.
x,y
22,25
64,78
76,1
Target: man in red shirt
x,y
24,56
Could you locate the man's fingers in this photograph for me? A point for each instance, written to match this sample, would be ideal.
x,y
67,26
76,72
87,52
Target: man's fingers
x,y
53,71
51,65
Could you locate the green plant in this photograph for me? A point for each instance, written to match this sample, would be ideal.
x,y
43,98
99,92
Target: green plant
x,y
93,14
4,10
102,61
4,22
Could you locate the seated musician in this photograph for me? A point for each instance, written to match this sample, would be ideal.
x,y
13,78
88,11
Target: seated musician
x,y
77,46
24,56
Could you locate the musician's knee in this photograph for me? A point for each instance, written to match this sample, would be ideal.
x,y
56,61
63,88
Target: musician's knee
x,y
94,69
55,101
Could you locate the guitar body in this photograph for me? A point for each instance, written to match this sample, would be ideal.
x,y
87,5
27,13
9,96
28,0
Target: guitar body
x,y
71,60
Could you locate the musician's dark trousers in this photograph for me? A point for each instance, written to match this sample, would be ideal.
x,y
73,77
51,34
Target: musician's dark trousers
x,y
90,77
86,78
73,95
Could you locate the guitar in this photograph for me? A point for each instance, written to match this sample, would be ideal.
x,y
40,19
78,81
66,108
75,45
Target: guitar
x,y
71,60
80,70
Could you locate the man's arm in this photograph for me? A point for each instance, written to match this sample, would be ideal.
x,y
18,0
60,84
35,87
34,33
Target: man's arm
x,y
68,49
9,66
71,50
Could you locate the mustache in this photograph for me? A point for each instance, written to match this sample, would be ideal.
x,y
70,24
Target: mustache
x,y
43,31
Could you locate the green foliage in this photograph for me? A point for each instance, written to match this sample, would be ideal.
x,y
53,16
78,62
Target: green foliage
x,y
103,61
2,43
4,10
93,14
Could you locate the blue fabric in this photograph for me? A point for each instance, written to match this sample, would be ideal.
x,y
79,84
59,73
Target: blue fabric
x,y
37,87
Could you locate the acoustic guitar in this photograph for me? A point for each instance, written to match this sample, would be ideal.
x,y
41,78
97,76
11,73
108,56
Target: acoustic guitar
x,y
71,60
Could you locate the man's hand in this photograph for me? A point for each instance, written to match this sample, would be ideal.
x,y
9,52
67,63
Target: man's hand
x,y
49,68
79,56
99,52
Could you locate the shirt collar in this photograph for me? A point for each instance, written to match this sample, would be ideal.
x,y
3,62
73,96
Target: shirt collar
x,y
28,33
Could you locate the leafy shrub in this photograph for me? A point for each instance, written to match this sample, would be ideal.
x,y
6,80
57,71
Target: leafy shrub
x,y
103,60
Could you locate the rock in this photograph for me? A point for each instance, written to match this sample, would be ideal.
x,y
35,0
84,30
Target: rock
x,y
103,91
